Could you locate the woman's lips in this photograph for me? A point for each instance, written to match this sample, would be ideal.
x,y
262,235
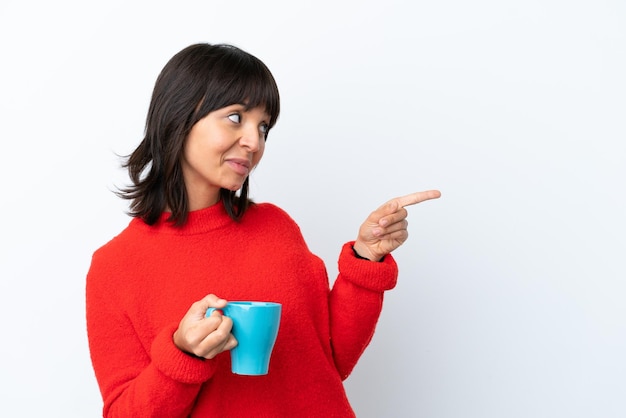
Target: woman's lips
x,y
239,166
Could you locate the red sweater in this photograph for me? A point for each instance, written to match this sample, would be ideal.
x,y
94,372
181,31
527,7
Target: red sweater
x,y
142,282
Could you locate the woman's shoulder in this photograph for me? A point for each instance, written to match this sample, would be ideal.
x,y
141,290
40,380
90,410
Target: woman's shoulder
x,y
118,246
267,208
266,213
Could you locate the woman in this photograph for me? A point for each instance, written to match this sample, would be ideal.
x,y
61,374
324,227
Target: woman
x,y
196,241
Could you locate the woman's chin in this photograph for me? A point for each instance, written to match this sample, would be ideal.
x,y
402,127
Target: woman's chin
x,y
234,187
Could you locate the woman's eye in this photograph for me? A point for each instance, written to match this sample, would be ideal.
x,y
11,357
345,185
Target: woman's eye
x,y
235,117
264,128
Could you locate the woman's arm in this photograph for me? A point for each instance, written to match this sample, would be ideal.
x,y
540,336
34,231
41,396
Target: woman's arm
x,y
134,380
366,270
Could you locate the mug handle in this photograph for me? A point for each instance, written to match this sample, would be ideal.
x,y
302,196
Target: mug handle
x,y
210,311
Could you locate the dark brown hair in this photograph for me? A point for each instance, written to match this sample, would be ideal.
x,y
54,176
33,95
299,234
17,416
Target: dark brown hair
x,y
197,80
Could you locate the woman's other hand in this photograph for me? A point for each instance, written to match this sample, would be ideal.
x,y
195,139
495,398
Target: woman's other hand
x,y
205,336
385,229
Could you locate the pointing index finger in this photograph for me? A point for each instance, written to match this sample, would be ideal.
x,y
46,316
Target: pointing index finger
x,y
418,197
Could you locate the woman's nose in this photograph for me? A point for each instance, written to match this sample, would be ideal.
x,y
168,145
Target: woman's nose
x,y
251,138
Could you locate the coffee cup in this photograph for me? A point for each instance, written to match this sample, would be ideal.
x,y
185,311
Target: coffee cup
x,y
255,326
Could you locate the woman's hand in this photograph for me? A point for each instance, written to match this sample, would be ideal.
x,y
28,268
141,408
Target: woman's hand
x,y
205,336
386,228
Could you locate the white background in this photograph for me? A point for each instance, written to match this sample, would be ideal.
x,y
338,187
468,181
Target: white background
x,y
511,295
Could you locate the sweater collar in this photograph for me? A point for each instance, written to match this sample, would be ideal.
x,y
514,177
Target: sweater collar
x,y
198,221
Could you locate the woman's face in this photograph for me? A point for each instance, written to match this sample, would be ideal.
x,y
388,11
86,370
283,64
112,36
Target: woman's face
x,y
221,150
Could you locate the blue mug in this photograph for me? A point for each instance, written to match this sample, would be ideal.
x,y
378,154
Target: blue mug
x,y
255,326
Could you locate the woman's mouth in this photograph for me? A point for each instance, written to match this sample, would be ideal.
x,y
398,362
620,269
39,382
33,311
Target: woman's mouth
x,y
239,166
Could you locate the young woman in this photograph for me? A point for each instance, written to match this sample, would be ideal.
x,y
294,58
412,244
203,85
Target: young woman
x,y
196,241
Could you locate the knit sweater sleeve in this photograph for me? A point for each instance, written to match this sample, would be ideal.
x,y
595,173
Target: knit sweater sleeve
x,y
355,305
135,380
